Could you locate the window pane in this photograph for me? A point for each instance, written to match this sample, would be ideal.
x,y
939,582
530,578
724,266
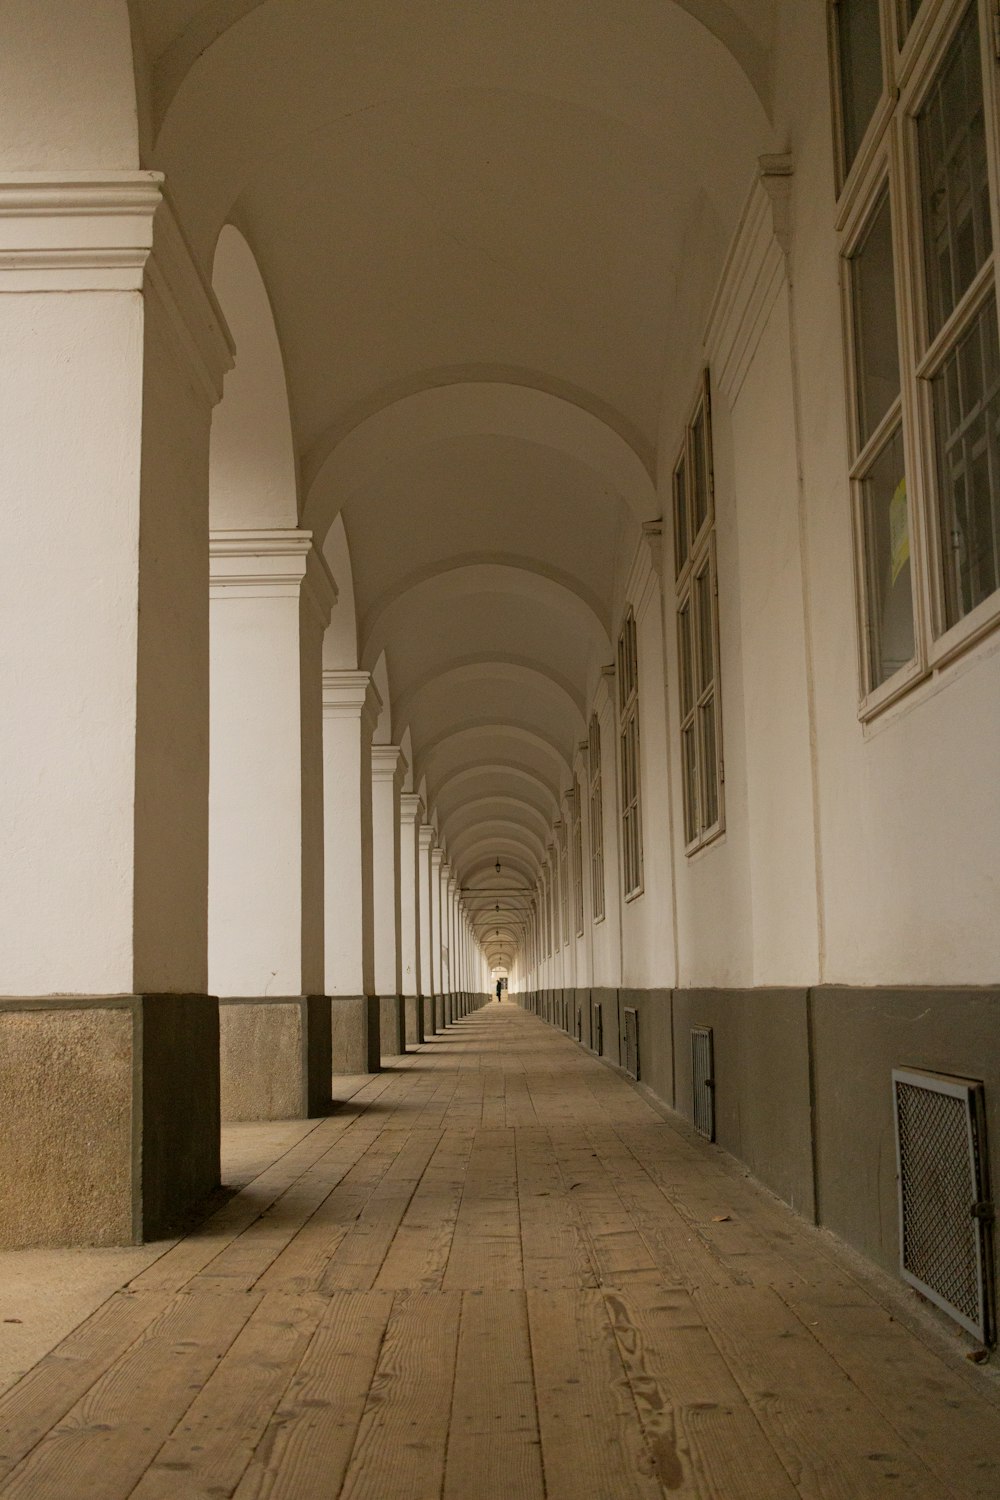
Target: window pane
x,y
967,418
954,189
684,629
860,49
887,563
699,472
680,516
876,348
703,604
689,771
710,783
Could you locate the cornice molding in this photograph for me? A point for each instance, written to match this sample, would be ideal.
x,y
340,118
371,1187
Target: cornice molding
x,y
265,564
388,763
411,807
425,834
87,231
755,269
113,232
351,695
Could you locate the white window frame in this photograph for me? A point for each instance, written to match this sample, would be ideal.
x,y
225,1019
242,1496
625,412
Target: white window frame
x,y
694,559
889,159
578,910
596,821
629,759
563,855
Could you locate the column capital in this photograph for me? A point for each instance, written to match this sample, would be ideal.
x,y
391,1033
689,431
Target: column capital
x,y
425,835
77,231
350,695
411,807
388,763
270,564
437,856
95,231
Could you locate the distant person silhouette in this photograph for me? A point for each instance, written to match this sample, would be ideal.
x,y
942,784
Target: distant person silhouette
x,y
499,988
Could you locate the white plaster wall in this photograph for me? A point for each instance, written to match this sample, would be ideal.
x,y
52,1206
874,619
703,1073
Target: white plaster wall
x,y
647,921
253,455
426,909
908,811
68,637
607,933
386,908
313,856
67,87
255,913
347,817
172,656
782,851
409,899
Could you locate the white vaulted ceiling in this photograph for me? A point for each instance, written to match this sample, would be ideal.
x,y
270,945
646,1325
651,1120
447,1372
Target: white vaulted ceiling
x,y
473,221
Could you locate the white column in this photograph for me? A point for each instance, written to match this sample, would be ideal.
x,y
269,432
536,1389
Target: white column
x,y
388,769
452,945
410,809
350,712
437,857
113,357
271,596
425,849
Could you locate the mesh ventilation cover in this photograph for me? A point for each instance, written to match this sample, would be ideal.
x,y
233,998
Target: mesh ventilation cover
x,y
703,1081
631,1042
944,1247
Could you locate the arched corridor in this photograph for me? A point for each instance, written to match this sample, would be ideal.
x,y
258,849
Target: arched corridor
x,y
498,1272
503,497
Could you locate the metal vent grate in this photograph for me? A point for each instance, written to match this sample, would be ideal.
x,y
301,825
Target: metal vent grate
x,y
597,1028
703,1080
631,1059
944,1211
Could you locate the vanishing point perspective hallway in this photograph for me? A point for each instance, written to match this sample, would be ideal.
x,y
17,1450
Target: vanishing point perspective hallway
x,y
497,1271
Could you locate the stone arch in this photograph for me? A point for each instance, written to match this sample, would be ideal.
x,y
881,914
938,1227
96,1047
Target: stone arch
x,y
340,465
340,641
252,466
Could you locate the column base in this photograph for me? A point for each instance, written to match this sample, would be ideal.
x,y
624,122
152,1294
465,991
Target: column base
x,y
275,1057
392,1025
429,1006
439,1020
109,1117
356,1041
414,1012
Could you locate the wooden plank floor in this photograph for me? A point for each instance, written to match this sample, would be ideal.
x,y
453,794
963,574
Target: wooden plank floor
x,y
497,1273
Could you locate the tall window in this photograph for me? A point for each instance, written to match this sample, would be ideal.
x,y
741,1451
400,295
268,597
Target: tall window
x,y
564,880
578,859
924,352
698,629
628,746
596,822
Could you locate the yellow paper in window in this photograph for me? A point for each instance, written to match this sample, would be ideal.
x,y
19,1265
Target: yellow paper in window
x,y
899,530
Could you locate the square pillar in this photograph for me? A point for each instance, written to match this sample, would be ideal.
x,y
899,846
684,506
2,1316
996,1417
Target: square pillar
x,y
350,712
410,809
271,596
114,355
425,871
388,769
438,877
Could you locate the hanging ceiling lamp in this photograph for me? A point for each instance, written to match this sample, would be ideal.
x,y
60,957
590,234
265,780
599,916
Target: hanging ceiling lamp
x,y
497,865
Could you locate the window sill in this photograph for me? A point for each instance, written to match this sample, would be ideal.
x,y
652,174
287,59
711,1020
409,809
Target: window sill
x,y
975,646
